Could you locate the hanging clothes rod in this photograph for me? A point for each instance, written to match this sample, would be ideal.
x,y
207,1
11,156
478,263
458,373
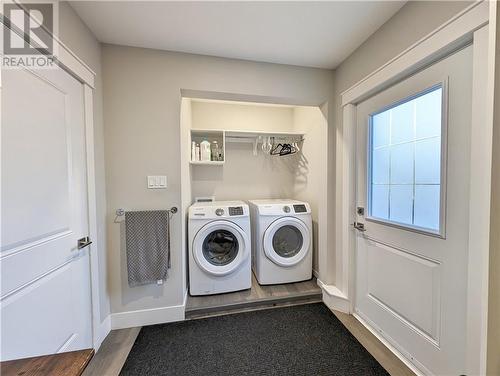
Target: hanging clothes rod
x,y
260,138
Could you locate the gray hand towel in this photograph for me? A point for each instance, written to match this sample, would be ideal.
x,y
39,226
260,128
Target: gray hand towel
x,y
148,246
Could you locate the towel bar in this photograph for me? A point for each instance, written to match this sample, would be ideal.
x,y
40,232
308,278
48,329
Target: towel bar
x,y
121,212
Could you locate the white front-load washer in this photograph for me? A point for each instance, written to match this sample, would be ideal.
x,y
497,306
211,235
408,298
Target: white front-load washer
x,y
282,241
219,247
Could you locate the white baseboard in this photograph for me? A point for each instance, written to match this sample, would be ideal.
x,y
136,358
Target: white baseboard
x,y
152,316
334,298
102,332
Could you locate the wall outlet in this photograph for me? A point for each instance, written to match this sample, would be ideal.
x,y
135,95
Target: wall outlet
x,y
157,182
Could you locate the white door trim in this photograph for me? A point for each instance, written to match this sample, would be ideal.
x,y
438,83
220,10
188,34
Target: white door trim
x,y
72,64
451,35
67,59
99,330
455,33
481,155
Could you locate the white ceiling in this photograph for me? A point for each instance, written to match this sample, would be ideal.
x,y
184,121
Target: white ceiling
x,y
314,34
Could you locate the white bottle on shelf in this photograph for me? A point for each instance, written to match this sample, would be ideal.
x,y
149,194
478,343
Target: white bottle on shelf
x,y
205,151
214,150
197,152
193,151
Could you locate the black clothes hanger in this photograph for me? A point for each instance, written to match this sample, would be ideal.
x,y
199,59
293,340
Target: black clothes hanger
x,y
283,149
275,151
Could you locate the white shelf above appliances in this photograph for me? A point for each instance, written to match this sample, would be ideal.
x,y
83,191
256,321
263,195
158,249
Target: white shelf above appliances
x,y
264,139
210,135
207,163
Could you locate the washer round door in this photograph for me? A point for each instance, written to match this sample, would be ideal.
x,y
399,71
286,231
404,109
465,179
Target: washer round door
x,y
220,247
286,241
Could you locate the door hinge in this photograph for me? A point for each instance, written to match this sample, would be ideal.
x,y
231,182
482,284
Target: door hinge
x,y
83,242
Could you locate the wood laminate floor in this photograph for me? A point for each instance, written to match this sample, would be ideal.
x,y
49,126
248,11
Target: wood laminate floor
x,y
258,297
110,358
63,364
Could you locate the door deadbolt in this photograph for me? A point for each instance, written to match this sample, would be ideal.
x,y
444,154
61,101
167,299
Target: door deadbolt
x,y
360,210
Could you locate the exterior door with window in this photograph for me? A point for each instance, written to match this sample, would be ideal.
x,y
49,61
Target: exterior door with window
x,y
413,153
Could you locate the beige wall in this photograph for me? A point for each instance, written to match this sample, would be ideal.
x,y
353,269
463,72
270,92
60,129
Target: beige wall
x,y
241,116
412,22
309,184
142,96
75,34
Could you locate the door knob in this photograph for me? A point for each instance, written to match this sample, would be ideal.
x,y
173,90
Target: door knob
x,y
83,242
359,226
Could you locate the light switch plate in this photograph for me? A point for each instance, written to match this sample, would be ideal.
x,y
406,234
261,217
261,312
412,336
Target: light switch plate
x,y
157,182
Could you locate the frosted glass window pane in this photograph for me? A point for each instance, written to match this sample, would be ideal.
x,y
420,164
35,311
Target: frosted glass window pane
x,y
380,201
381,129
427,206
428,114
428,161
401,204
405,154
402,157
380,166
402,129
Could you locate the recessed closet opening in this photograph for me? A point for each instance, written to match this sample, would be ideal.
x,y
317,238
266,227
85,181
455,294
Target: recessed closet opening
x,y
266,151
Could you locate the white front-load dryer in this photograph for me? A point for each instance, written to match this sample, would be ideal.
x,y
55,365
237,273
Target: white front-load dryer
x,y
282,241
219,247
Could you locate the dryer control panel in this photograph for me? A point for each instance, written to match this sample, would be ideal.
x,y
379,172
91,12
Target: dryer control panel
x,y
300,208
235,210
276,207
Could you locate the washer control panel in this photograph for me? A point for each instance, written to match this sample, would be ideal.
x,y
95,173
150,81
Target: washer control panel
x,y
300,208
235,210
286,209
219,210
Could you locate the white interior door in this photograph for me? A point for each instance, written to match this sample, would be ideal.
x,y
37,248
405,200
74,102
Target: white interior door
x,y
45,280
413,151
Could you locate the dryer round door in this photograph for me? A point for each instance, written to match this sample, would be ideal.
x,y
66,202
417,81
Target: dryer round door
x,y
220,247
286,241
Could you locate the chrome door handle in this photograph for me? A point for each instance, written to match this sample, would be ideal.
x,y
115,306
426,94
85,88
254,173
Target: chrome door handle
x,y
83,242
359,226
